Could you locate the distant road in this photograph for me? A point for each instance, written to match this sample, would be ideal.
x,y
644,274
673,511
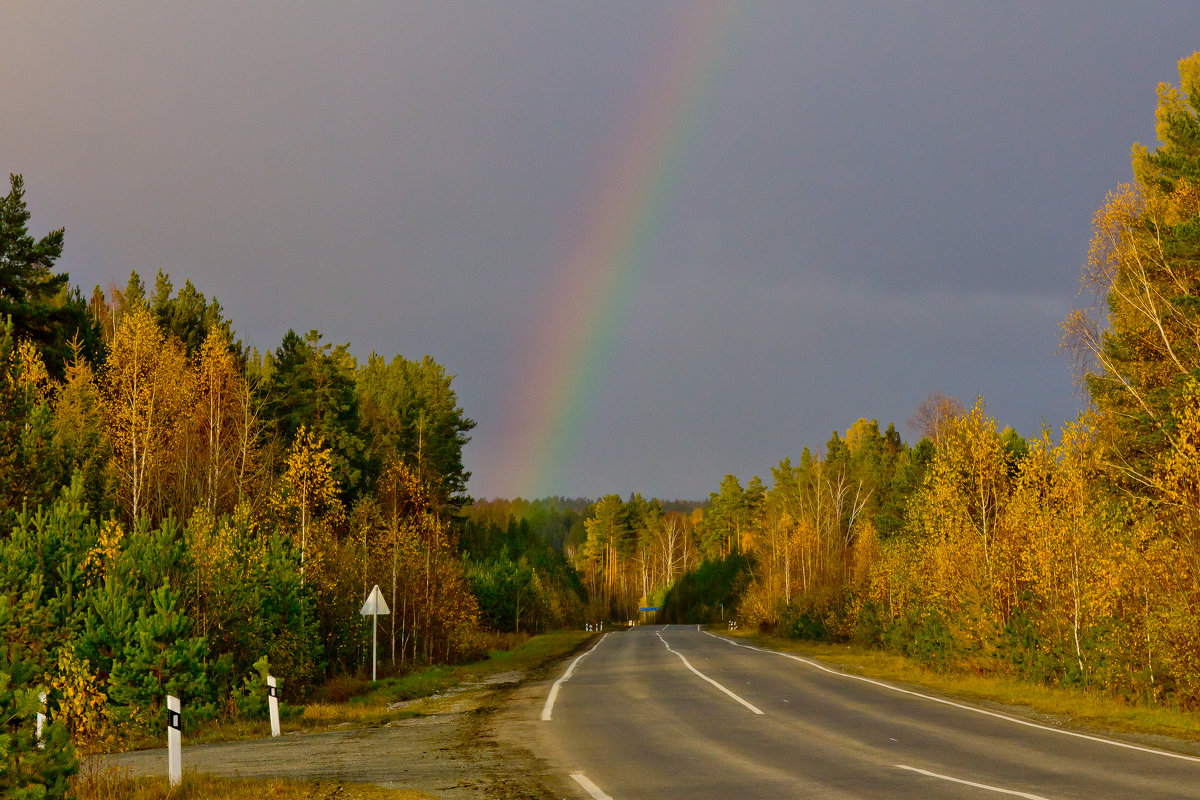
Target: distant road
x,y
711,718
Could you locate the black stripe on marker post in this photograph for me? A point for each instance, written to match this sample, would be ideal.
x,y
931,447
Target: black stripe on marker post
x,y
173,720
272,692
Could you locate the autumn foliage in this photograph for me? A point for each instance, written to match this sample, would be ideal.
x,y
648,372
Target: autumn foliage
x,y
181,515
1072,559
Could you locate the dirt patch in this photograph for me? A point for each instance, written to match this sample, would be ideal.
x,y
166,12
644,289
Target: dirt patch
x,y
455,753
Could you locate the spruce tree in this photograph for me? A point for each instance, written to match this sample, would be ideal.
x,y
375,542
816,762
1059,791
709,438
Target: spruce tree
x,y
43,308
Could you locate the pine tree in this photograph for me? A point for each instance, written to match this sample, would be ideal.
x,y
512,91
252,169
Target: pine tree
x,y
410,411
40,302
28,473
311,386
27,771
160,657
1140,350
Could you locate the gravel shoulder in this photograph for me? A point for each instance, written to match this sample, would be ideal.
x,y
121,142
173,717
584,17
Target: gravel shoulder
x,y
472,747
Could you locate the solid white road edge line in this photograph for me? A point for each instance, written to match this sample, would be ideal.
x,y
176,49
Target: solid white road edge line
x,y
705,677
589,787
549,707
973,709
971,783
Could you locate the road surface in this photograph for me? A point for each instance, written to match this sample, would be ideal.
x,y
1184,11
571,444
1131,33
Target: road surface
x,y
676,712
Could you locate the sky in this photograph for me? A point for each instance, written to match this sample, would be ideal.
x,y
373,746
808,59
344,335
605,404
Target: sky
x,y
655,242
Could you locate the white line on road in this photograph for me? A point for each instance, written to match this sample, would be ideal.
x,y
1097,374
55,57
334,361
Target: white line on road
x,y
589,787
549,707
973,709
710,680
969,783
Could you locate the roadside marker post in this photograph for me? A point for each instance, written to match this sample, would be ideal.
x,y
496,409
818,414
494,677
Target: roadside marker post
x,y
374,606
273,703
174,741
41,721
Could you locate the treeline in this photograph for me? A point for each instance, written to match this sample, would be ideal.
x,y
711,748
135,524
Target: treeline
x,y
1071,559
577,560
632,552
688,562
178,512
515,553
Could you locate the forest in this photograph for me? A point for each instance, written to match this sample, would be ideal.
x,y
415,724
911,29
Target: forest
x,y
180,512
1071,557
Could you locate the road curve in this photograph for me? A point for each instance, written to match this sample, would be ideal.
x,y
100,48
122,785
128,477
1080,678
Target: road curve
x,y
675,712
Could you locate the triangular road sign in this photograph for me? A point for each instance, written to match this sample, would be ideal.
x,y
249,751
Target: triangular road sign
x,y
375,603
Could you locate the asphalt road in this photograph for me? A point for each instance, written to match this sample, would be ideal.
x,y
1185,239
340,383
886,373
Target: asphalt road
x,y
637,720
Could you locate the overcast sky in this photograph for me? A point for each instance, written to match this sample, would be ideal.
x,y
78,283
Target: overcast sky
x,y
869,202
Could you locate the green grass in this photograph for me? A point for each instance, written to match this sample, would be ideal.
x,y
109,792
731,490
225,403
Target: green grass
x,y
532,653
349,701
436,689
1070,707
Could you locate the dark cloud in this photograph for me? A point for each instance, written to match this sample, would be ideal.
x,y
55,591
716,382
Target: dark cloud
x,y
874,200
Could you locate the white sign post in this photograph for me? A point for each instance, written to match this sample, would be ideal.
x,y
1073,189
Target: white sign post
x,y
273,703
374,606
41,720
174,741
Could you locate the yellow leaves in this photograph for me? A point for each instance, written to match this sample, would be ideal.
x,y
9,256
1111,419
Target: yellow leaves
x,y
1173,112
1178,477
1185,200
221,430
1111,242
863,554
308,488
82,703
1066,549
30,370
308,481
967,481
144,392
216,365
1173,102
215,544
858,432
1189,74
100,559
961,554
75,409
401,491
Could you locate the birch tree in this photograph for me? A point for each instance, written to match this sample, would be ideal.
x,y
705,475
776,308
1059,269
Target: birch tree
x,y
144,389
1140,339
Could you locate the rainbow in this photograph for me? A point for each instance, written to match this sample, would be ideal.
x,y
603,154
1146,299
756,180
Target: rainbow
x,y
572,334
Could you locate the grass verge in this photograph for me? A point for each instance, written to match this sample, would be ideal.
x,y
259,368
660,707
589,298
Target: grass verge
x,y
1069,707
440,688
419,693
354,702
114,785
